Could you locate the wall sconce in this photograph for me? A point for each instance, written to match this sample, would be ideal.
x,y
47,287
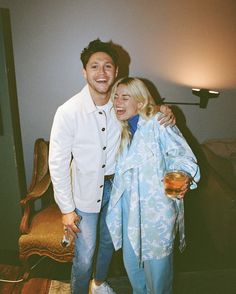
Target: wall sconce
x,y
204,96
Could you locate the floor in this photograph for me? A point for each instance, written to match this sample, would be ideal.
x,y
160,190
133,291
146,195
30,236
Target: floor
x,y
198,270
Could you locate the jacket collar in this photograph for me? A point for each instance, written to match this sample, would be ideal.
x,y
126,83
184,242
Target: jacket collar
x,y
141,148
89,104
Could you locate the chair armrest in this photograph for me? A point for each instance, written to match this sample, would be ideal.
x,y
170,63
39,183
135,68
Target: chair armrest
x,y
221,165
36,192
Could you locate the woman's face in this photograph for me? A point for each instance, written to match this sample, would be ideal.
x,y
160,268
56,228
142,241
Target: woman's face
x,y
125,105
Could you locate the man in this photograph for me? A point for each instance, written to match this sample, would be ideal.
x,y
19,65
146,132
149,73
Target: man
x,y
84,141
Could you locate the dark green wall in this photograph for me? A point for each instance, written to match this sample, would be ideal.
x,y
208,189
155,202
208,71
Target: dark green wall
x,y
12,173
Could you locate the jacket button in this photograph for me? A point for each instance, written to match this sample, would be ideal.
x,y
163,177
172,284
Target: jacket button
x,y
101,186
103,165
103,129
100,112
98,200
104,148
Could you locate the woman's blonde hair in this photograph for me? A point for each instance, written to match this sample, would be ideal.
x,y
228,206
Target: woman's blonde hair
x,y
141,94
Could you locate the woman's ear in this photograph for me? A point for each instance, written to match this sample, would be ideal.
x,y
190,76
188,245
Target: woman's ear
x,y
140,105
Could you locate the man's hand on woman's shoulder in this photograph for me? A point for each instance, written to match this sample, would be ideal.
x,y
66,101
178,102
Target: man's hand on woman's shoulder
x,y
167,117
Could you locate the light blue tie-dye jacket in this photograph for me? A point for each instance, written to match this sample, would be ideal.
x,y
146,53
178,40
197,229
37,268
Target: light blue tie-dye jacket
x,y
153,217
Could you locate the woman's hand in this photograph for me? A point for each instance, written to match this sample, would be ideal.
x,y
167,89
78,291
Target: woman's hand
x,y
185,188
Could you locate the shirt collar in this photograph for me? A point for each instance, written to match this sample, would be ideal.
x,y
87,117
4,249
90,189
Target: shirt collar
x,y
133,123
88,101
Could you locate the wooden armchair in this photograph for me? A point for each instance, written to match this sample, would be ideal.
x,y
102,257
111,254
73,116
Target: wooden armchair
x,y
41,229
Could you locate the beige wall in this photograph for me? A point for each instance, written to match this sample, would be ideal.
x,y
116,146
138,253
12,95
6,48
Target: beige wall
x,y
176,45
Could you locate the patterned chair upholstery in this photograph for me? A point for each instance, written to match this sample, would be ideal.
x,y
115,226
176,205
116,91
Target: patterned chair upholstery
x,y
41,229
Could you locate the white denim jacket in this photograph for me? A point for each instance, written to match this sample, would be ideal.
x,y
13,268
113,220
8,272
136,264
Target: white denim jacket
x,y
77,155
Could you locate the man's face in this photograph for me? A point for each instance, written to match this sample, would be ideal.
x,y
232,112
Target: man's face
x,y
100,73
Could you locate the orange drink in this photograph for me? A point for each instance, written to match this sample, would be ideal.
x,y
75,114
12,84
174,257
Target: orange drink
x,y
174,182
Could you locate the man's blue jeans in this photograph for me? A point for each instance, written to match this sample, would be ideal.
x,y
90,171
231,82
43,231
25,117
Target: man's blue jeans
x,y
93,226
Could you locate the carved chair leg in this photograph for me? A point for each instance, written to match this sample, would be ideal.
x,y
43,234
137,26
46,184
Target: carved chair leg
x,y
26,268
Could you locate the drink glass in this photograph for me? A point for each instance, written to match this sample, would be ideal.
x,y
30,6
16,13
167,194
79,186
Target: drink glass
x,y
174,181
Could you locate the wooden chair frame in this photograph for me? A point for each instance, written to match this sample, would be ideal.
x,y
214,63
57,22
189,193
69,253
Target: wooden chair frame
x,y
48,217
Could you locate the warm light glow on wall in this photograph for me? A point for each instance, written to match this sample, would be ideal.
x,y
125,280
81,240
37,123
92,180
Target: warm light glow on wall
x,y
199,68
196,46
200,71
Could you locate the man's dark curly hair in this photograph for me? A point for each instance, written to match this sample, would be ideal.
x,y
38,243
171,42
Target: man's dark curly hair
x,y
98,46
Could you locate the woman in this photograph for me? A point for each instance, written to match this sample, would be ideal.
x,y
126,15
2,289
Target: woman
x,y
141,218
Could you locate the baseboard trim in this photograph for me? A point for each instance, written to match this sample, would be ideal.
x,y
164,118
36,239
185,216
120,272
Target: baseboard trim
x,y
9,257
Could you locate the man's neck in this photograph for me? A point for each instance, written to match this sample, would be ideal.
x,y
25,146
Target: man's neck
x,y
98,98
